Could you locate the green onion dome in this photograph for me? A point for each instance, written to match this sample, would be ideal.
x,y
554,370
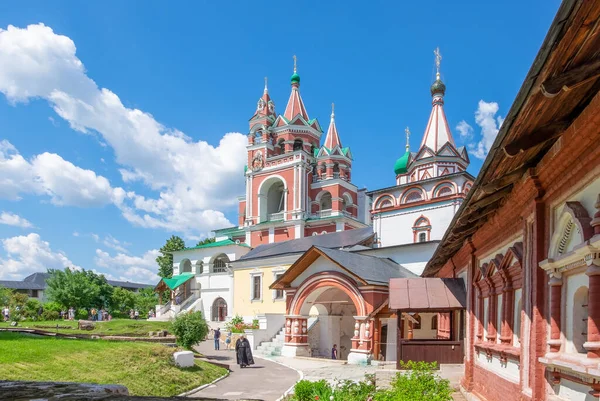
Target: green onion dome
x,y
401,164
295,78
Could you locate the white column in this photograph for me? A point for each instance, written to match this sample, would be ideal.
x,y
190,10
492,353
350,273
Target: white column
x,y
271,235
295,187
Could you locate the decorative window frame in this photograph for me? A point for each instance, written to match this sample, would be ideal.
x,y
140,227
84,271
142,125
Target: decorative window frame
x,y
496,281
278,272
254,274
419,228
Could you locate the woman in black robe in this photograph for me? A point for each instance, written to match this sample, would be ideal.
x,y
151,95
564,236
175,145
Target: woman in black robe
x,y
243,352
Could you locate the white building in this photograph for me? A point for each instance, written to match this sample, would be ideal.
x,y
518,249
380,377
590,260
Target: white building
x,y
431,184
202,280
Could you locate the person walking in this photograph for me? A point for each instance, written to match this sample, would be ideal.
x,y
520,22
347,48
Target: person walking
x,y
228,341
217,337
243,352
6,313
334,352
136,314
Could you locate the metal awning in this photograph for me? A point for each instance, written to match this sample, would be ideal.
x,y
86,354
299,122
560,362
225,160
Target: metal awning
x,y
173,282
427,294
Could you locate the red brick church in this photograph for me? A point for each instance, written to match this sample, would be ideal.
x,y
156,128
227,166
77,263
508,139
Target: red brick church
x,y
527,237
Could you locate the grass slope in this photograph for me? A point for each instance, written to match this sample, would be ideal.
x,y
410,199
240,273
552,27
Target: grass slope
x,y
114,327
145,369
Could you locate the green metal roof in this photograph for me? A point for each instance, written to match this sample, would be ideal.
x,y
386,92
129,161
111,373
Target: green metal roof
x,y
224,242
401,164
176,281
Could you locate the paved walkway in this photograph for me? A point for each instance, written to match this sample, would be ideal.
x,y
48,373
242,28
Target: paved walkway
x,y
266,380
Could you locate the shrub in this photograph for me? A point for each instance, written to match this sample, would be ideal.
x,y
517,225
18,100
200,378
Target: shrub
x,y
303,390
52,306
190,329
50,315
418,383
81,314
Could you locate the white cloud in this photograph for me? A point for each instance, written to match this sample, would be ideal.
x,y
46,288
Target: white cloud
x,y
111,242
486,119
75,234
12,219
49,174
129,268
464,130
28,254
193,178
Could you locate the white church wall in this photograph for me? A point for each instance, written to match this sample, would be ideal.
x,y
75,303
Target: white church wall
x,y
396,227
414,257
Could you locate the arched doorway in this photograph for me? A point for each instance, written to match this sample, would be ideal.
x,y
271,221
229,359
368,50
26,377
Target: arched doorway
x,y
328,309
331,314
219,310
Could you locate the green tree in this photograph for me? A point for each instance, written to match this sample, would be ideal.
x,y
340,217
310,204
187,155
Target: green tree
x,y
206,241
76,288
122,300
165,261
104,296
145,300
5,296
190,329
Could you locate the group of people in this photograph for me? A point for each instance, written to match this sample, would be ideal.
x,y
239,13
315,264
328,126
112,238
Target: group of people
x,y
243,350
98,315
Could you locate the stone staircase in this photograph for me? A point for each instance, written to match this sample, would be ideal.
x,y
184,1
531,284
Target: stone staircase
x,y
273,347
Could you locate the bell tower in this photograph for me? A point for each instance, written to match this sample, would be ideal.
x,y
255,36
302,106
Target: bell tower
x,y
294,186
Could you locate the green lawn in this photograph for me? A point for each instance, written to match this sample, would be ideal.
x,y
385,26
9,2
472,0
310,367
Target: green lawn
x,y
113,327
145,369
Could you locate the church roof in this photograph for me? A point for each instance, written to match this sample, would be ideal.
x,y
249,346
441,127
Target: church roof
x,y
437,133
216,244
363,269
332,139
295,104
334,240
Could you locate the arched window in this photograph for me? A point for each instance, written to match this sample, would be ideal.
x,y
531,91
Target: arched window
x,y
272,200
422,229
336,170
298,144
467,188
417,325
384,201
580,318
199,267
185,266
281,146
434,322
444,191
413,196
326,202
220,264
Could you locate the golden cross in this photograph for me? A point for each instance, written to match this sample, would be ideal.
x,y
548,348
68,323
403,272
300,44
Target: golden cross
x,y
265,84
332,109
294,63
438,61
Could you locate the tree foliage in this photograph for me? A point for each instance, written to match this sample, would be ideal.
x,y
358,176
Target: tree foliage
x,y
190,329
78,288
122,300
145,300
165,261
5,296
206,241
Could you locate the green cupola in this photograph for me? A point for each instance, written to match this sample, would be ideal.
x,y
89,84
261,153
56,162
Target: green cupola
x,y
295,78
400,167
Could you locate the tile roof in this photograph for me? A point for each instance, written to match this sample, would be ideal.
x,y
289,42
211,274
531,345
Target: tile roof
x,y
334,240
427,294
37,281
372,269
224,242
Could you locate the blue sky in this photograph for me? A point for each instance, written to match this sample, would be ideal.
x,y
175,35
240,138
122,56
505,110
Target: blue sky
x,y
120,121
